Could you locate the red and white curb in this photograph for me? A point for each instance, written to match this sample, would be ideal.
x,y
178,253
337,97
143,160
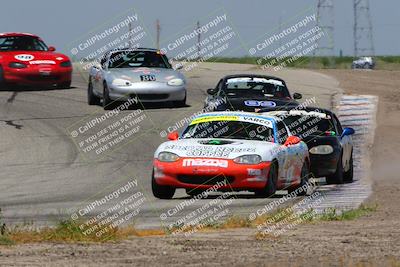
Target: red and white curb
x,y
358,112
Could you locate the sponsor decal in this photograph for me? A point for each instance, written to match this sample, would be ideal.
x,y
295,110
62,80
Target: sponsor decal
x,y
205,162
214,118
59,58
256,103
42,62
252,119
24,57
253,172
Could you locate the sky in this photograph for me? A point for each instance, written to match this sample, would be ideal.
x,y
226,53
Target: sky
x,y
62,23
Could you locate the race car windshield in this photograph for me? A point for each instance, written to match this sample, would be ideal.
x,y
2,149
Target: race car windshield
x,y
229,130
22,43
136,59
303,126
243,87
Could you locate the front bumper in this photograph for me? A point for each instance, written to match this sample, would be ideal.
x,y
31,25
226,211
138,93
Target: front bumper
x,y
234,177
38,76
148,92
324,165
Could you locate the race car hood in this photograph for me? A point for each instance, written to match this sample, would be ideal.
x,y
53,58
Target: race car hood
x,y
133,74
218,148
33,57
253,104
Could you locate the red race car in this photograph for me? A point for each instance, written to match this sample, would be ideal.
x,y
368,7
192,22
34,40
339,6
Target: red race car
x,y
26,60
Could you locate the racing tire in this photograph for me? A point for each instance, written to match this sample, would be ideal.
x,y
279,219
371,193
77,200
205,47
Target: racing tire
x,y
305,175
270,187
2,80
107,102
161,191
64,85
337,177
91,97
348,176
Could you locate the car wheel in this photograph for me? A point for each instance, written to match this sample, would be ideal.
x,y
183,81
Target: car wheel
x,y
64,85
270,187
304,175
107,102
348,176
92,98
161,191
194,191
337,177
2,80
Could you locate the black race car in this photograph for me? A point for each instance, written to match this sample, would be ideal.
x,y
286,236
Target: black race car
x,y
249,92
330,146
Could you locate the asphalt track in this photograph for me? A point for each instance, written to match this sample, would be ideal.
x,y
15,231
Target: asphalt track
x,y
45,176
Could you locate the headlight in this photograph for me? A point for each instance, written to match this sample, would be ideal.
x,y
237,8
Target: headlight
x,y
167,157
17,65
175,82
248,159
322,150
66,64
121,82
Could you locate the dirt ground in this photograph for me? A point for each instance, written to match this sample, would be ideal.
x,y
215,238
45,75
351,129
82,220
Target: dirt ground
x,y
370,240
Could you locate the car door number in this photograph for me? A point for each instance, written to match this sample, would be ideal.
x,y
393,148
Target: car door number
x,y
147,78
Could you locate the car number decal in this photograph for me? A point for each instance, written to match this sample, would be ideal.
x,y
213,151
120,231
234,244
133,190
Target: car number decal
x,y
147,78
255,103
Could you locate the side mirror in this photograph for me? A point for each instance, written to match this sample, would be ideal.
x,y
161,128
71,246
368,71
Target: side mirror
x,y
297,96
211,91
178,67
52,48
173,136
347,131
292,140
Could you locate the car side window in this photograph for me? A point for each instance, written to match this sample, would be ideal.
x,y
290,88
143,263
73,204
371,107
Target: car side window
x,y
282,132
103,61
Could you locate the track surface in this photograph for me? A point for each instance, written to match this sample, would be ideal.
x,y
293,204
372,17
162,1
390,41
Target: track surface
x,y
44,177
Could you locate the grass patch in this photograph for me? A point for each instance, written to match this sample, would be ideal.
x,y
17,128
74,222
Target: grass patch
x,y
334,215
69,231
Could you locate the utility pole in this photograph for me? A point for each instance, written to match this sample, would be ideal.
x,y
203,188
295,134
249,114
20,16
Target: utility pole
x,y
198,40
362,32
326,22
158,27
130,34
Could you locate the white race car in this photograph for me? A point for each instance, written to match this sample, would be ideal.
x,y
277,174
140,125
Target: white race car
x,y
231,151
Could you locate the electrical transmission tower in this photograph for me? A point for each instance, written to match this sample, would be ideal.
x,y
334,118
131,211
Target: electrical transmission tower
x,y
326,22
363,42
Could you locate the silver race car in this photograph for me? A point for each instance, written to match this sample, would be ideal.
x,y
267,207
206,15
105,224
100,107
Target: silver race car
x,y
141,74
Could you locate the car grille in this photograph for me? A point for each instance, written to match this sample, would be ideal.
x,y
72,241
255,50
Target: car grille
x,y
151,96
205,179
43,78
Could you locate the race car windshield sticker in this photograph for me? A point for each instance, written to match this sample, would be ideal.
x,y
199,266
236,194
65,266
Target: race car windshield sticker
x,y
258,80
249,118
